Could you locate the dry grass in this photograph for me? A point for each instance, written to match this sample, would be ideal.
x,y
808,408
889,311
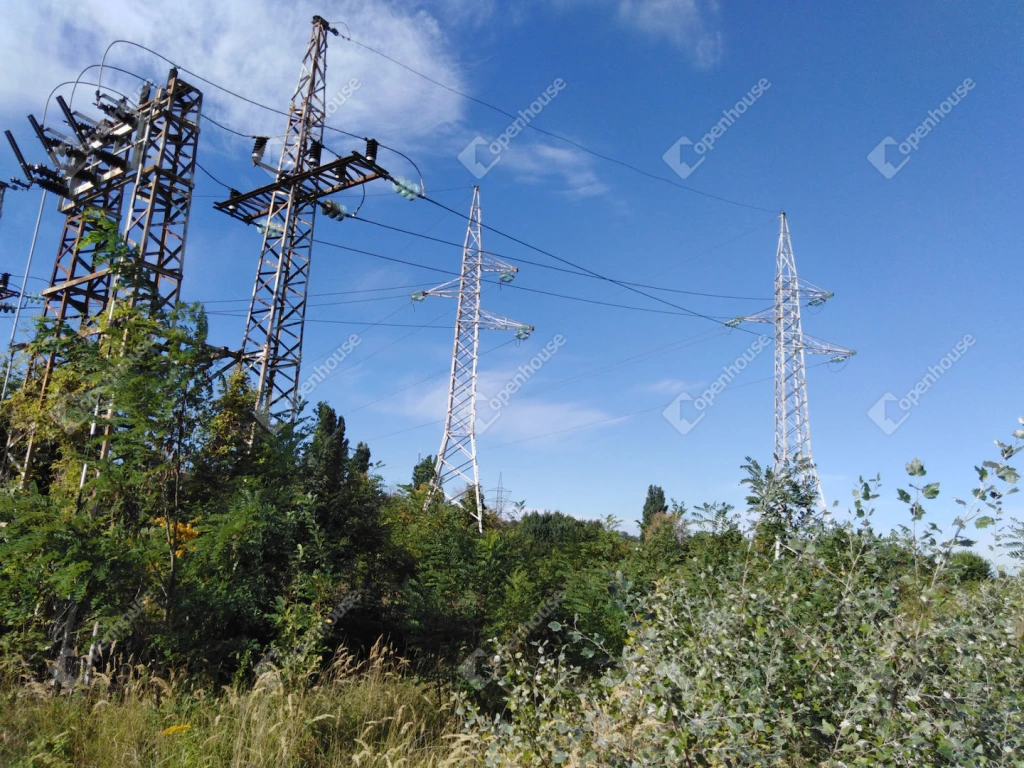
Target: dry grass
x,y
368,714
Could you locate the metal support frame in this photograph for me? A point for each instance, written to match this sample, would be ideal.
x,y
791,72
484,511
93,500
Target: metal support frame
x,y
792,418
162,194
285,212
456,458
152,150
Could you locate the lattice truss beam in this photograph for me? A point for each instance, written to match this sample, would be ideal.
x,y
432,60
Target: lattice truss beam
x,y
792,419
285,212
457,457
146,152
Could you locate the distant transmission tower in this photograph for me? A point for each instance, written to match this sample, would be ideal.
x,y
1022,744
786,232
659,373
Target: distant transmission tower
x,y
792,422
284,212
500,497
456,459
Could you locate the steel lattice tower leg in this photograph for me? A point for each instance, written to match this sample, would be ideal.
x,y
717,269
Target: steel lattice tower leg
x,y
161,199
162,196
456,458
272,346
153,150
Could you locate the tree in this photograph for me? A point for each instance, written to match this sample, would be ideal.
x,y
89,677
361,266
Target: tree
x,y
423,472
782,501
360,463
654,505
968,567
325,459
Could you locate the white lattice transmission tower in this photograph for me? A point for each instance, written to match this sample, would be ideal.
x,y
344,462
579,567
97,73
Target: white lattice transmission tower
x,y
456,459
792,419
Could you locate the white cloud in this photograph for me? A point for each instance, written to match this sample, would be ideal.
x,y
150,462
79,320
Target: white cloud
x,y
672,387
523,417
539,163
689,24
254,47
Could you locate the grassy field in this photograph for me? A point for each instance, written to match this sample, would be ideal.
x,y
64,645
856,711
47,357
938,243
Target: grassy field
x,y
365,714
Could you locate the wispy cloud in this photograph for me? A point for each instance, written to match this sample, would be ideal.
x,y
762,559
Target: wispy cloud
x,y
540,163
692,25
251,46
523,417
672,387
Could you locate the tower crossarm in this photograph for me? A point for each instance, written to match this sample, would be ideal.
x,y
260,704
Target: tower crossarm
x,y
489,321
490,263
812,345
764,316
448,290
809,294
812,295
309,186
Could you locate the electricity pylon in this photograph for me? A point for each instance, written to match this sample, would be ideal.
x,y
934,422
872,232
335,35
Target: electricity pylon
x,y
456,459
792,421
284,212
151,151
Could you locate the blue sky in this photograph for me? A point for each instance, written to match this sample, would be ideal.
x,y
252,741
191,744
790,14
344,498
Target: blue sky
x,y
916,261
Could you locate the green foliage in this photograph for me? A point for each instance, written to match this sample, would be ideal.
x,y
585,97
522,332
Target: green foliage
x,y
845,651
423,472
969,568
165,530
654,504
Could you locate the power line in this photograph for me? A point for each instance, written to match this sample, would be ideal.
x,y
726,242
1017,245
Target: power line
x,y
513,285
235,94
203,169
243,312
331,293
560,137
634,413
578,266
350,322
583,270
584,148
567,271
